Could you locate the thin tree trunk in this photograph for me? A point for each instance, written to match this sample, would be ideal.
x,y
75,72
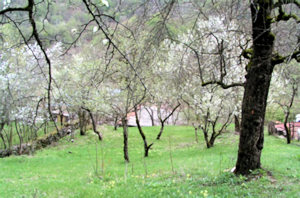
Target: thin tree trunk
x,y
146,147
151,115
259,72
175,119
188,116
61,119
1,135
94,124
237,127
287,114
116,123
205,133
152,121
212,140
162,122
196,134
125,139
20,137
287,129
9,136
45,128
162,126
271,128
82,120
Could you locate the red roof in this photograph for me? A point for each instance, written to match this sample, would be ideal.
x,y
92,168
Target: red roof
x,y
294,126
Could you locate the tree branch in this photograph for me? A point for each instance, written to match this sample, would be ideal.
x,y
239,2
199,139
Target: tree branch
x,y
282,16
93,123
24,9
284,2
171,112
278,59
222,84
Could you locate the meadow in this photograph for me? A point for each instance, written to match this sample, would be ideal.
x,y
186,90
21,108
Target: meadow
x,y
177,166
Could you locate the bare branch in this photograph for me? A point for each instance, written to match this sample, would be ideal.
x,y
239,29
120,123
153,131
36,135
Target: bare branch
x,y
223,85
284,2
278,59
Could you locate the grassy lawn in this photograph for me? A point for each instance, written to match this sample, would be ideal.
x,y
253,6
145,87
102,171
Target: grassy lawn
x,y
176,167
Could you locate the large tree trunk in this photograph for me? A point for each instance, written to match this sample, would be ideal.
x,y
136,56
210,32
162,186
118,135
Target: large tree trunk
x,y
259,72
125,139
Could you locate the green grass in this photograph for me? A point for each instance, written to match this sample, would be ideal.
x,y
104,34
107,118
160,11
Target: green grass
x,y
69,169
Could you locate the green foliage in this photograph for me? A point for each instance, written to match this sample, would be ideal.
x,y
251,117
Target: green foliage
x,y
68,170
7,32
274,113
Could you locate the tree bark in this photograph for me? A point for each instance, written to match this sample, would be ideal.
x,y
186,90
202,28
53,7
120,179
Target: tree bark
x,y
125,139
162,122
162,126
61,115
146,146
20,137
287,113
206,139
287,129
196,134
151,115
94,124
1,135
271,128
82,121
259,72
116,123
237,127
